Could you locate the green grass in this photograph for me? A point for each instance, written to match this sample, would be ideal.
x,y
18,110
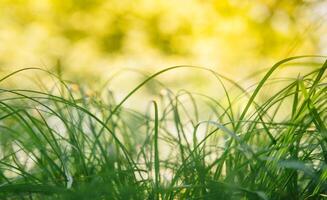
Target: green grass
x,y
268,141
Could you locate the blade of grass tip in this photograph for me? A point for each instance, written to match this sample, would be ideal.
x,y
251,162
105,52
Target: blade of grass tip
x,y
155,75
319,123
318,78
139,86
30,130
263,81
247,150
230,107
194,106
16,72
156,150
38,69
180,127
316,117
56,98
296,98
273,140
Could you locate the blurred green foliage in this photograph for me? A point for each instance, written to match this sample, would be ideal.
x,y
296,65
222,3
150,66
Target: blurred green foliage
x,y
95,36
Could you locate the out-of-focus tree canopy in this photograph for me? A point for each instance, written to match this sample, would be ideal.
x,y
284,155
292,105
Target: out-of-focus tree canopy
x,y
96,36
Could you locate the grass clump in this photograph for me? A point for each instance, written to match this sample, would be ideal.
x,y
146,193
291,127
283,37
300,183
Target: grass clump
x,y
61,143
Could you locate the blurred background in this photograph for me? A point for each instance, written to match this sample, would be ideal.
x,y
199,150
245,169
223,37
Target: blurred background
x,y
93,39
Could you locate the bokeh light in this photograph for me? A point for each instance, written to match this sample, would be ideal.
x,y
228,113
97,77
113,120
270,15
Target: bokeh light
x,y
91,39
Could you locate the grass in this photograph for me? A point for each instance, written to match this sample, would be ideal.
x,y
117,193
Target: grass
x,y
254,143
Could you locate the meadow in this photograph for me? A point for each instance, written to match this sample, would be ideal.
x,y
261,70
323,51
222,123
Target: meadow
x,y
266,141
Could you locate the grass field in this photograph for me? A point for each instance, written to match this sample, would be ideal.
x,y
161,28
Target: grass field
x,y
268,141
